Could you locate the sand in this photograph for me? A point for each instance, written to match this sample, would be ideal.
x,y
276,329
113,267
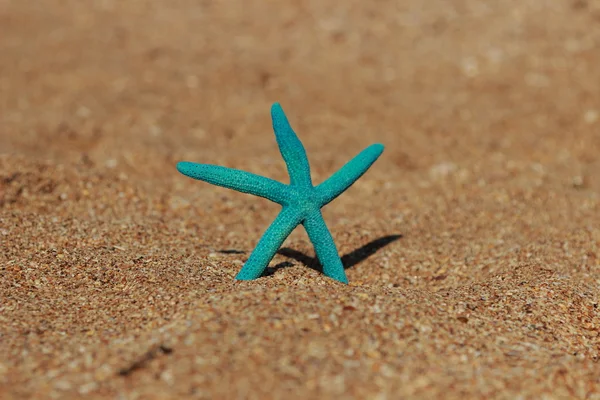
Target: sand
x,y
472,244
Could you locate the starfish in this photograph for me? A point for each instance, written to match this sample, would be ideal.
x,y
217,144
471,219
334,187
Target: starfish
x,y
301,201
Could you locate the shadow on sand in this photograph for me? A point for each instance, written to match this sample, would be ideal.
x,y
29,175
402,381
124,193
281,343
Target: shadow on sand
x,y
348,260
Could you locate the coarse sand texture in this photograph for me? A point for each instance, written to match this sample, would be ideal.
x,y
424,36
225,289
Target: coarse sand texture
x,y
471,246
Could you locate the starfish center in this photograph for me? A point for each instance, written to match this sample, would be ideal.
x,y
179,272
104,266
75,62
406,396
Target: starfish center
x,y
305,199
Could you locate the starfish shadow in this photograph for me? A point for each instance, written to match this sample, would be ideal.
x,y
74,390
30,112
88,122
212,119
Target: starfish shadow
x,y
231,251
348,260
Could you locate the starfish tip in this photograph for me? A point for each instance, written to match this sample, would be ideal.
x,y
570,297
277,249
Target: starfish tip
x,y
376,149
184,167
378,146
277,111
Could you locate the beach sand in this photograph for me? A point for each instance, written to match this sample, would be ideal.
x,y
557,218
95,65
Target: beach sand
x,y
471,245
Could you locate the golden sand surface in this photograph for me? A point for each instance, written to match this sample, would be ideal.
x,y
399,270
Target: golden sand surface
x,y
472,245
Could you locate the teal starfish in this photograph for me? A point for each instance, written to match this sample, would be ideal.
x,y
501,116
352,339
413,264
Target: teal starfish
x,y
301,201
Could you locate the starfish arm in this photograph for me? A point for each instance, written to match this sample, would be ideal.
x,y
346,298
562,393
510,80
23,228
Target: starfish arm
x,y
270,242
349,173
291,148
325,247
236,179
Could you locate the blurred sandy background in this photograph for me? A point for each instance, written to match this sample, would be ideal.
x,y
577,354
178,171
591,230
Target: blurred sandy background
x,y
471,245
